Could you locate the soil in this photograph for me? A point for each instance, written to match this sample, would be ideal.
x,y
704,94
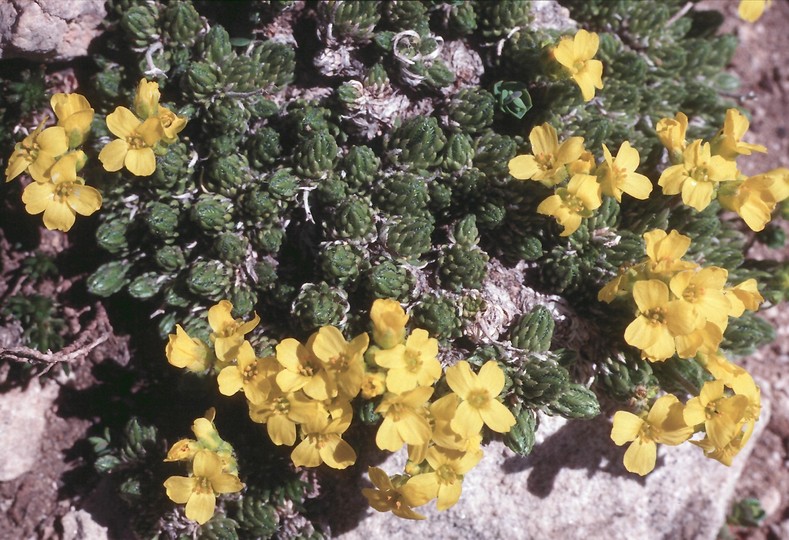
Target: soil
x,y
30,506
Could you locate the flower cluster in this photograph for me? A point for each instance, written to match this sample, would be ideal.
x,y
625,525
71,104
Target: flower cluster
x,y
704,170
213,470
575,54
51,156
141,134
724,414
683,309
304,392
579,183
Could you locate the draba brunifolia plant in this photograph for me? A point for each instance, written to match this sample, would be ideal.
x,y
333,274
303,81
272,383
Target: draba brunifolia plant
x,y
429,220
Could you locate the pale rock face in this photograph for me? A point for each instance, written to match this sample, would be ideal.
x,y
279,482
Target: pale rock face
x,y
573,485
22,425
49,29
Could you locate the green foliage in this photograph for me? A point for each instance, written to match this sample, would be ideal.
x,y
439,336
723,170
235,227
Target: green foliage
x,y
39,316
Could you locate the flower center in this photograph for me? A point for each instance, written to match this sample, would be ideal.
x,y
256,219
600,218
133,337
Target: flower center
x,y
413,360
250,372
135,141
203,486
701,174
544,160
656,316
281,405
693,293
446,474
478,398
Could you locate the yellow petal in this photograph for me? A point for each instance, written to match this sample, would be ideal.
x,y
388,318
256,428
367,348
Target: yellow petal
x,y
200,507
491,377
140,161
460,378
306,455
585,44
640,457
467,420
37,197
226,483
281,430
544,140
523,167
53,141
338,454
497,417
697,195
59,216
122,122
113,154
626,427
179,488
448,495
650,294
229,381
84,200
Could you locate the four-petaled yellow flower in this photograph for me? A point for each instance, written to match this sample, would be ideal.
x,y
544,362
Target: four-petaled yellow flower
x,y
322,443
303,370
74,115
341,359
37,153
281,411
227,332
411,365
187,352
571,204
619,174
663,424
404,419
199,491
703,290
744,296
446,479
721,415
755,197
134,147
63,197
659,320
548,162
400,499
250,374
576,55
698,176
478,393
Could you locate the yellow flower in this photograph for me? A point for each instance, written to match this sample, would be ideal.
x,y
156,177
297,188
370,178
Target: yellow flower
x,y
755,198
576,54
548,163
37,152
751,10
659,320
400,499
728,143
446,480
303,370
665,251
322,444
569,205
726,454
411,365
619,174
404,419
671,132
478,393
134,147
373,384
704,339
172,124
146,100
250,374
281,412
721,414
703,290
389,320
698,176
74,115
183,450
228,333
744,296
65,196
442,411
342,359
199,491
184,351
663,424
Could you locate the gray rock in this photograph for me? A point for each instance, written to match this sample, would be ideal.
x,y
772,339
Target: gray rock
x,y
22,423
49,29
79,525
573,485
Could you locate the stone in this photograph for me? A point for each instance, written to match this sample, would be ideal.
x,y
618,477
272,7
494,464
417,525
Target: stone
x,y
573,485
79,525
22,424
49,29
